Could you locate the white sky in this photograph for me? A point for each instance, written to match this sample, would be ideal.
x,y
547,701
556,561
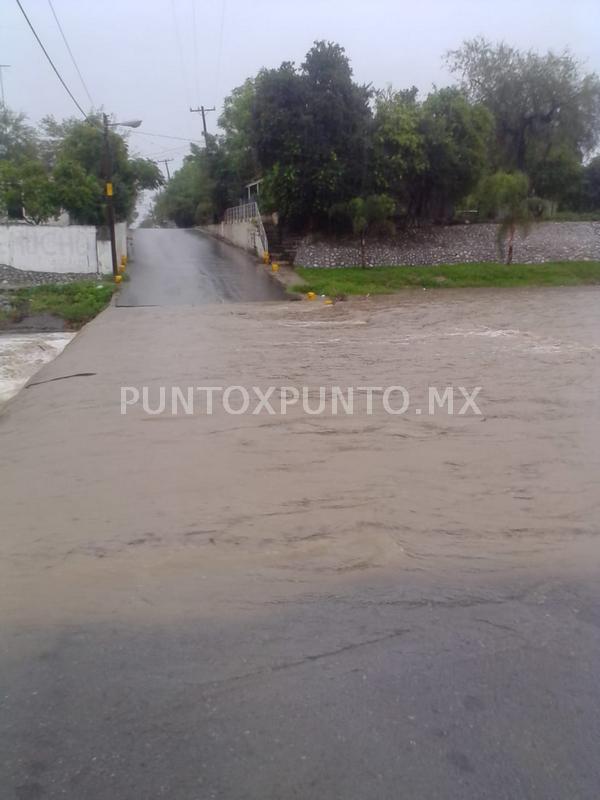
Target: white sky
x,y
135,65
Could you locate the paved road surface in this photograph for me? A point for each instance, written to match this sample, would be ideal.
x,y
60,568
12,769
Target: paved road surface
x,y
185,267
319,608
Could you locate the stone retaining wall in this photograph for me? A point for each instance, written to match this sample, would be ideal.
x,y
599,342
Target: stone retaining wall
x,y
547,241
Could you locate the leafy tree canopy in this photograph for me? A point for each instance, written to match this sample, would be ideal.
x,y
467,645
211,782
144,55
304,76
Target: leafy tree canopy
x,y
62,167
318,139
310,128
539,102
186,199
17,138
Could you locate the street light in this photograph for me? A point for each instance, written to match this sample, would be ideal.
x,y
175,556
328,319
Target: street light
x,y
108,189
131,123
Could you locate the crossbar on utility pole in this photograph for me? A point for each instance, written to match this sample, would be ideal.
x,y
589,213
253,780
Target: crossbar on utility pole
x,y
203,111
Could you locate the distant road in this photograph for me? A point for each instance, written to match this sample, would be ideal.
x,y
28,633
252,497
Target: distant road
x,y
184,267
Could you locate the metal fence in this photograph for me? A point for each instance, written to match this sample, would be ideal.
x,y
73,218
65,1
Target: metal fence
x,y
248,212
244,213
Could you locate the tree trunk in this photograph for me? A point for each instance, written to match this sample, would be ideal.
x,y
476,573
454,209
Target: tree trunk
x,y
521,146
511,239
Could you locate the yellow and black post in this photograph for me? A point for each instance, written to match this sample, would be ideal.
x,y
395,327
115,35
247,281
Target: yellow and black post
x,y
108,190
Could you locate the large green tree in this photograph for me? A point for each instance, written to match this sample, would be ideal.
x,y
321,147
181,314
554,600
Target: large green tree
x,y
82,143
318,139
310,129
457,138
236,142
542,104
399,156
429,155
63,167
27,191
31,192
187,198
17,138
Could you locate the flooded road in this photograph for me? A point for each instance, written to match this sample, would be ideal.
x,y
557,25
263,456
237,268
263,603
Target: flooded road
x,y
22,354
186,267
256,607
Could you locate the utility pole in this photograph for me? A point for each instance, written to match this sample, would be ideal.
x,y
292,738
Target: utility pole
x,y
110,208
107,169
2,66
202,111
165,161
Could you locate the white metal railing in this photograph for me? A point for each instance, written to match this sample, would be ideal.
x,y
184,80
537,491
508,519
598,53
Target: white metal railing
x,y
243,213
248,212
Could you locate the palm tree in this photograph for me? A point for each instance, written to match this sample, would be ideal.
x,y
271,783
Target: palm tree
x,y
504,196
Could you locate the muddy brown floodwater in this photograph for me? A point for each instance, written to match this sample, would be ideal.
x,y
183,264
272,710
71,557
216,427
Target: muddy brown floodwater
x,y
309,606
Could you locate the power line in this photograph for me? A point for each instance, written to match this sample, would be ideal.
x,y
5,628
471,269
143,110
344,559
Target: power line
x,y
62,33
58,75
168,150
195,35
180,51
220,48
166,136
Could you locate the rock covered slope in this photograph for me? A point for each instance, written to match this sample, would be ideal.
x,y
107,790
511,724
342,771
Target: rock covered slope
x,y
457,244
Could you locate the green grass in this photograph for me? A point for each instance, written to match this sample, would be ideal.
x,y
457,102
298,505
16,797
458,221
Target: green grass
x,y
575,216
76,302
386,280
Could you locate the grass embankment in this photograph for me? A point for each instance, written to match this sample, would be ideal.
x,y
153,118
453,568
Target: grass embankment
x,y
76,303
386,280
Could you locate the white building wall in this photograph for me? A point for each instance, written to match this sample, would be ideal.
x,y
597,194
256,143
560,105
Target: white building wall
x,y
104,251
121,235
49,248
59,249
104,256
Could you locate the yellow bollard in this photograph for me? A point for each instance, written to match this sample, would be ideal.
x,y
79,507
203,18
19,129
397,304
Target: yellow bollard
x,y
266,257
328,301
274,267
310,295
118,278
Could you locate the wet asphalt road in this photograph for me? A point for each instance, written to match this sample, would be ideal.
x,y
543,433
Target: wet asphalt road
x,y
258,608
185,267
364,695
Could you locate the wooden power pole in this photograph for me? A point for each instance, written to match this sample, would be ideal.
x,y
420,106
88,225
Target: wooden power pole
x,y
203,111
165,161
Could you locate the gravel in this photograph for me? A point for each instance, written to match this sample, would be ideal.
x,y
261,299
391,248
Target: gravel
x,y
12,278
547,241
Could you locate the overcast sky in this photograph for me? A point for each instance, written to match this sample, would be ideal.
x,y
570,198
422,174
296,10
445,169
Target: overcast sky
x,y
152,59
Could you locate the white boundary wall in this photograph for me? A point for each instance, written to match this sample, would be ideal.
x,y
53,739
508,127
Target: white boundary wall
x,y
103,248
241,234
49,248
59,248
